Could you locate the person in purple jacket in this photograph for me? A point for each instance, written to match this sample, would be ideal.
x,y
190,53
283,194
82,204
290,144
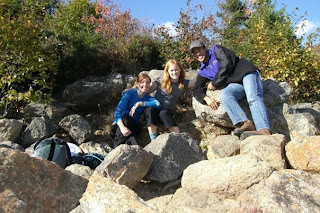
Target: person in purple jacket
x,y
126,124
238,78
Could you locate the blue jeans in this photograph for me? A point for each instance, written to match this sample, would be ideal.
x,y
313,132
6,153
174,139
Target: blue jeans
x,y
253,90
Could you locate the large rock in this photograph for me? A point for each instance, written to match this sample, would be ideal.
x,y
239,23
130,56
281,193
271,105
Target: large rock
x,y
104,195
126,164
34,185
223,146
218,117
269,148
188,201
283,191
227,177
275,93
54,111
81,170
39,128
173,153
10,129
302,124
304,154
90,92
278,121
77,127
309,108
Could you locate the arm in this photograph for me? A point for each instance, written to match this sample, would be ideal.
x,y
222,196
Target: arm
x,y
224,70
119,112
153,87
122,106
124,130
199,90
151,102
135,106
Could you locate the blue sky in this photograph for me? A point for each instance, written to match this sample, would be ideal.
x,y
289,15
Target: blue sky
x,y
166,12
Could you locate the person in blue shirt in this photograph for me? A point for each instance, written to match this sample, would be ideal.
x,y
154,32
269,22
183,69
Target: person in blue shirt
x,y
238,78
126,124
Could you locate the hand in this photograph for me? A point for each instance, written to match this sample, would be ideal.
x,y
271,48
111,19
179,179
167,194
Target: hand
x,y
133,109
211,87
212,103
125,131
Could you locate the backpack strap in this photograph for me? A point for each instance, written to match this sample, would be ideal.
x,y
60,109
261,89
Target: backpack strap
x,y
52,148
94,156
69,158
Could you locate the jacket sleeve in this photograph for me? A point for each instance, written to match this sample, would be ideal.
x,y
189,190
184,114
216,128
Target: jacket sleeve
x,y
122,106
224,69
152,102
200,88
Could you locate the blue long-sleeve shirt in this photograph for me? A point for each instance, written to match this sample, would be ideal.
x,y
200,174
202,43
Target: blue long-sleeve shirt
x,y
129,99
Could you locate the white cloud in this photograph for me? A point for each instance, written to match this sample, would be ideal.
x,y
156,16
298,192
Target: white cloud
x,y
171,28
305,28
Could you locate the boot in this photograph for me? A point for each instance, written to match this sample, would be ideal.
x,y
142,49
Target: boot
x,y
246,134
247,126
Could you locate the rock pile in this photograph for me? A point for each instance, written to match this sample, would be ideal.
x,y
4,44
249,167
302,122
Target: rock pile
x,y
174,172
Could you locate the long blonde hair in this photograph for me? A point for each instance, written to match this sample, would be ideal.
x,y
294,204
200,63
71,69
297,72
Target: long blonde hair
x,y
166,80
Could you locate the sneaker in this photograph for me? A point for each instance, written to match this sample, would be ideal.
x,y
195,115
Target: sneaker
x,y
247,126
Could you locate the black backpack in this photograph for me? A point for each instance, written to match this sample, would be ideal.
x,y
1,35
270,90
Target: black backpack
x,y
53,149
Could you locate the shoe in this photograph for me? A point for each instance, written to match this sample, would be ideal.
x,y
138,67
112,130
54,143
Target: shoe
x,y
247,126
247,134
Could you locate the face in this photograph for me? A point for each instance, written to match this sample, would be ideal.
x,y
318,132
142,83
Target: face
x,y
144,85
199,53
174,72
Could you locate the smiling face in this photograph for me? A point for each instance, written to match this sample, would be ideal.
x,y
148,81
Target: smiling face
x,y
200,53
143,84
174,72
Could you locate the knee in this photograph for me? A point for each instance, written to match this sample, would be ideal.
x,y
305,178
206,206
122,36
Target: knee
x,y
254,98
149,110
165,113
224,96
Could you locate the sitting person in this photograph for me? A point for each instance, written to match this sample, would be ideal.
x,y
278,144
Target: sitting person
x,y
168,91
239,78
126,125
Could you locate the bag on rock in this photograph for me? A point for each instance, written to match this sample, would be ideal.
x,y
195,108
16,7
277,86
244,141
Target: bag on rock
x,y
91,159
53,149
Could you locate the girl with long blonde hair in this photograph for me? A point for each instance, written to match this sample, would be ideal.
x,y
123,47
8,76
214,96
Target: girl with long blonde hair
x,y
168,90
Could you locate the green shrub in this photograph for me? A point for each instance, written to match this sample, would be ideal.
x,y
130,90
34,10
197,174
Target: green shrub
x,y
269,41
28,63
257,31
144,50
76,38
